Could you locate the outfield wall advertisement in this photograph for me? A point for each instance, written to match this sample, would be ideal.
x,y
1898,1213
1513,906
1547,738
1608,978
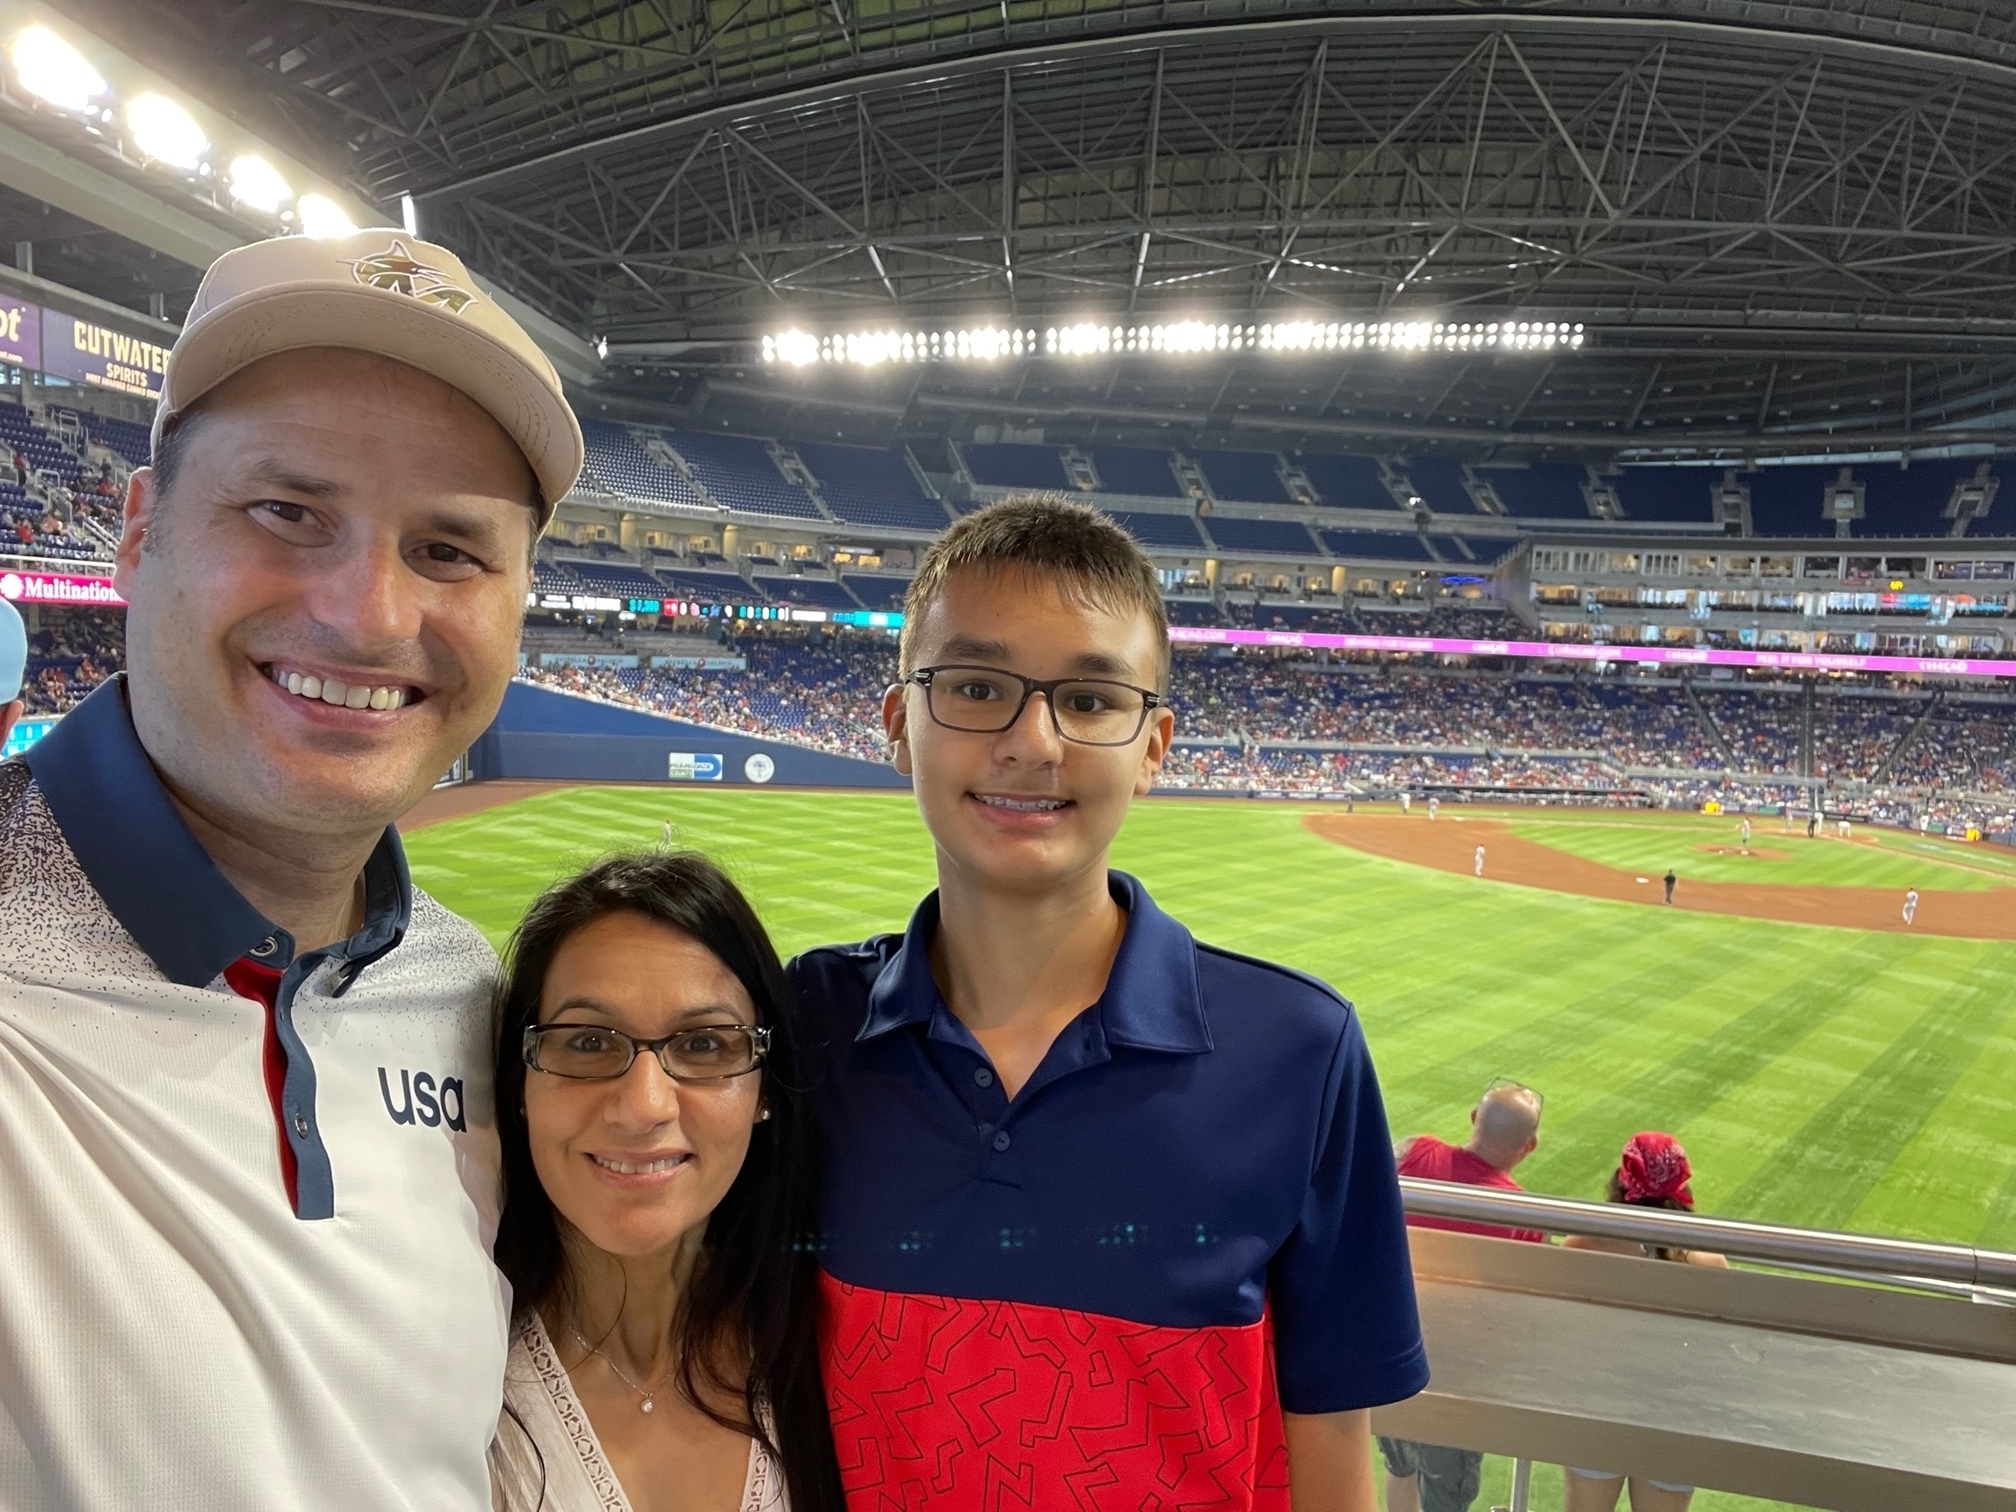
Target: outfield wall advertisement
x,y
1796,661
58,588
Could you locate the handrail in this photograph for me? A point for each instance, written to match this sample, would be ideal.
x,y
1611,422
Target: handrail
x,y
1865,1254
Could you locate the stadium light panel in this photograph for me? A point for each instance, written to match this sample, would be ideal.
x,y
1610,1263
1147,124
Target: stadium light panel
x,y
797,348
166,133
55,72
322,216
254,181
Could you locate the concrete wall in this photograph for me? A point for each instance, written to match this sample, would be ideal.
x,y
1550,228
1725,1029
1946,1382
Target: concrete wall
x,y
558,736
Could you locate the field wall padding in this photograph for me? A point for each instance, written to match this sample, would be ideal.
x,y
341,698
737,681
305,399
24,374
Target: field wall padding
x,y
559,737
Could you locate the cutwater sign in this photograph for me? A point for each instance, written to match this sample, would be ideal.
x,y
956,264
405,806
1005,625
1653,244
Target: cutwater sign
x,y
694,766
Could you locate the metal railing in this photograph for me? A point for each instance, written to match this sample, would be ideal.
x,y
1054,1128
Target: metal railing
x,y
1860,1254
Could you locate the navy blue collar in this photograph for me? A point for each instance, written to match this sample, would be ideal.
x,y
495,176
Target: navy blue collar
x,y
158,881
1151,1002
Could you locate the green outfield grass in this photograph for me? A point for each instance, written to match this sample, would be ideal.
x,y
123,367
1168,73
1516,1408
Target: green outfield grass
x,y
1817,1076
1709,850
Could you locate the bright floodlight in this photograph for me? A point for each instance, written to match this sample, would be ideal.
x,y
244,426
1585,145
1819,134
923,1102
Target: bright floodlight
x,y
323,217
167,133
52,70
257,183
1288,338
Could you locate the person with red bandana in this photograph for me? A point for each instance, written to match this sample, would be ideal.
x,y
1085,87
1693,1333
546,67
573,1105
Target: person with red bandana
x,y
1653,1171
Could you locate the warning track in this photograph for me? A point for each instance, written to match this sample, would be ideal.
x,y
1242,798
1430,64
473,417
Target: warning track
x,y
1449,845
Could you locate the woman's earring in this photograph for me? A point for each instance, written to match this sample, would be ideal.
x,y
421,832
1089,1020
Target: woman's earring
x,y
763,1113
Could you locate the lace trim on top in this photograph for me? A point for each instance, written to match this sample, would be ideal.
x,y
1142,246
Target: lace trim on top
x,y
762,1486
573,1417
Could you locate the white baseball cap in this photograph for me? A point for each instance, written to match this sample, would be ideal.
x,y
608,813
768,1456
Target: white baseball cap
x,y
13,652
380,291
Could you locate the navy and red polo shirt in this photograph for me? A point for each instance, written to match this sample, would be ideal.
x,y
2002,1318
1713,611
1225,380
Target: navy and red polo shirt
x,y
1103,1294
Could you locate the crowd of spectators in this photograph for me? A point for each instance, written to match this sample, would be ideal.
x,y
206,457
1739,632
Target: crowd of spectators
x,y
72,652
812,688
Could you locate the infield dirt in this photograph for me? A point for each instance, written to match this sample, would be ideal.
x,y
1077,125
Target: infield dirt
x,y
1449,844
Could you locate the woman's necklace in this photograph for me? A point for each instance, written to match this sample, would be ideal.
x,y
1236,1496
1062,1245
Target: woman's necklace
x,y
650,1405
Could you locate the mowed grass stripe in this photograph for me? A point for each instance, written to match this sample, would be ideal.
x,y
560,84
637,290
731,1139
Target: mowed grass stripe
x,y
1849,1146
1648,850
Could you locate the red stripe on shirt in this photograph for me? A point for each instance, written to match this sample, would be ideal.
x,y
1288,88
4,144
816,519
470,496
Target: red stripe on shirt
x,y
261,984
958,1405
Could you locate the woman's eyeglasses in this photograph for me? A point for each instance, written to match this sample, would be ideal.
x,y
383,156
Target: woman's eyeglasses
x,y
591,1052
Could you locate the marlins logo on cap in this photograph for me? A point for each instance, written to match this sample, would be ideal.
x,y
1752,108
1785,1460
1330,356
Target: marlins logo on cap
x,y
397,271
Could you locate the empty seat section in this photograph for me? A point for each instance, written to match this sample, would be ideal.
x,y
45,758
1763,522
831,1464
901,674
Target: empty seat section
x,y
1136,470
1543,491
616,579
1261,535
1485,551
1173,531
1345,482
868,485
1193,612
1452,549
807,592
1015,464
880,593
618,461
1670,495
1909,501
740,473
1249,477
705,587
1439,482
1790,501
1374,545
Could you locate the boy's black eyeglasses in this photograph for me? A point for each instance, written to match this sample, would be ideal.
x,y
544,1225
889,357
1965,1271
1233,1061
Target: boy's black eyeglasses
x,y
590,1052
986,700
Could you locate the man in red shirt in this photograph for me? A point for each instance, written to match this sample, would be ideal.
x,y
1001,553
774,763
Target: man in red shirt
x,y
1504,1130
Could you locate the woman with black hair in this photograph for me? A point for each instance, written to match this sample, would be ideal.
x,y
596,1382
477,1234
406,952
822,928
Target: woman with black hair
x,y
658,1183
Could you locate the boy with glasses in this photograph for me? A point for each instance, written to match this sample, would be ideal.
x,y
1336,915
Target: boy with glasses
x,y
1110,1217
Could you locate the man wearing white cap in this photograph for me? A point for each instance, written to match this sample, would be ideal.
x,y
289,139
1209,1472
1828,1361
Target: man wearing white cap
x,y
247,1168
13,666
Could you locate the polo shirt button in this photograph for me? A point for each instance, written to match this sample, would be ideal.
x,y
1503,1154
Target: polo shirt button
x,y
1001,1140
984,1077
301,1124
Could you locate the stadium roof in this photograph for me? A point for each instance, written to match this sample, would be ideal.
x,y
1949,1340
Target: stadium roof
x,y
1785,226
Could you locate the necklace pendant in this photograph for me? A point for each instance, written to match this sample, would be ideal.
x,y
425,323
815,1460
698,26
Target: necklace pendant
x,y
649,1404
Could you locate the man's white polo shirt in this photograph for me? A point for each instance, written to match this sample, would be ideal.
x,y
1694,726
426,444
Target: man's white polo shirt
x,y
176,1332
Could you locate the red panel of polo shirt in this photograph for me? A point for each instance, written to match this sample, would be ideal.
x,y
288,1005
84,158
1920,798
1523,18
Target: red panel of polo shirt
x,y
261,984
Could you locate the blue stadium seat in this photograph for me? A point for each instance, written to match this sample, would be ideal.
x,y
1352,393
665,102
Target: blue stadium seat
x,y
1670,495
1543,491
739,472
1016,464
1247,477
617,461
1439,481
1790,501
868,485
1374,545
1261,535
705,587
1136,470
1910,501
807,592
1176,532
1346,482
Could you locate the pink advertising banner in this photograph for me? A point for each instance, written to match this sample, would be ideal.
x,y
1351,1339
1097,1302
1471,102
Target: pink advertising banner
x,y
1799,661
58,588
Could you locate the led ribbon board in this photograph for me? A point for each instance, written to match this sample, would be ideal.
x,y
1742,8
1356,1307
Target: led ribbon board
x,y
1800,661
